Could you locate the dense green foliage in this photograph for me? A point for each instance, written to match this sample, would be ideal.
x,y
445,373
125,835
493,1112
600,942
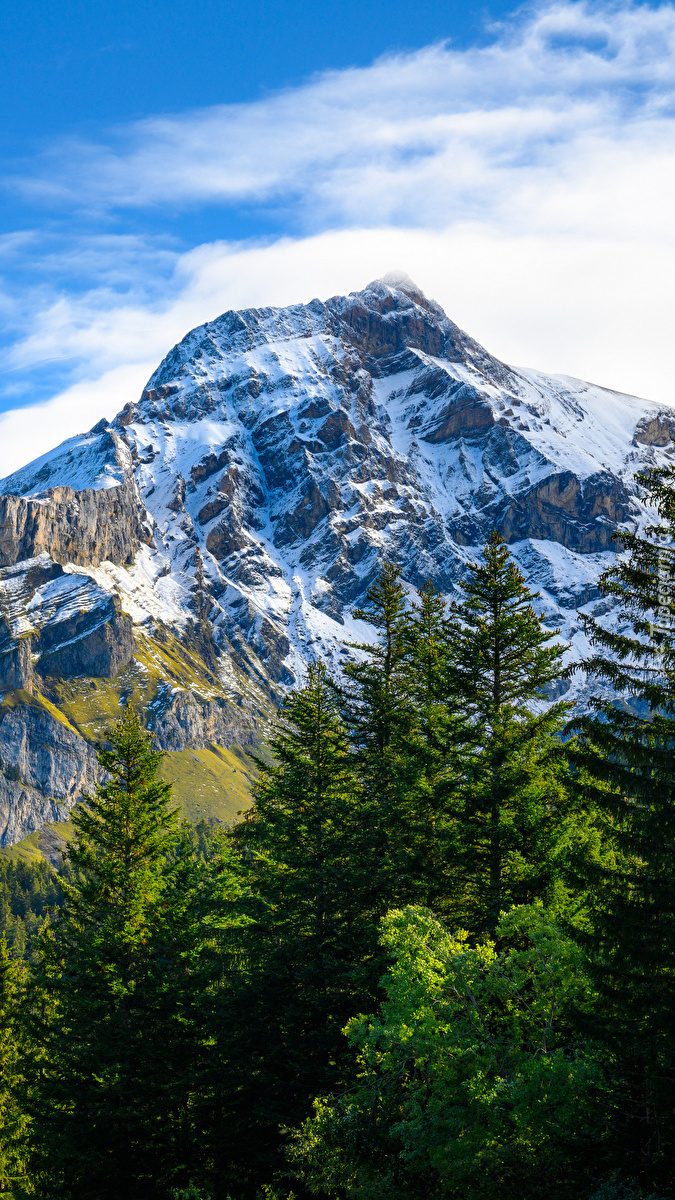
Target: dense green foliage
x,y
119,980
511,801
628,756
27,891
429,846
95,987
472,1081
14,1121
309,940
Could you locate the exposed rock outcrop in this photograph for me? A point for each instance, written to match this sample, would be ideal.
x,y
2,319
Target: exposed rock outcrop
x,y
656,430
85,527
78,505
465,413
65,620
44,768
187,719
16,663
98,644
581,515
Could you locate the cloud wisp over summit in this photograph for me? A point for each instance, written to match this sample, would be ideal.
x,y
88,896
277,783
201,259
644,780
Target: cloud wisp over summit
x,y
527,183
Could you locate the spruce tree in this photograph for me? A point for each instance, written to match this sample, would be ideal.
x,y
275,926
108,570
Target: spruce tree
x,y
27,890
14,1121
199,966
434,743
98,1089
310,949
627,762
511,803
377,703
378,712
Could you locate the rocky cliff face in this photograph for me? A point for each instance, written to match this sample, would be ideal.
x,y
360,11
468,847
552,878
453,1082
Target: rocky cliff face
x,y
284,453
58,623
44,767
87,525
246,501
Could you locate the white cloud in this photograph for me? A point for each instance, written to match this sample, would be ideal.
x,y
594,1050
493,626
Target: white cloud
x,y
572,89
596,308
25,433
527,185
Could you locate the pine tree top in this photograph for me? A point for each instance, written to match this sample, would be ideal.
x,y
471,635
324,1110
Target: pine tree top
x,y
130,813
504,656
638,659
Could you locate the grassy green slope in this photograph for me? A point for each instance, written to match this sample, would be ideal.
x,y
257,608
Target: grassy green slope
x,y
47,842
214,782
210,783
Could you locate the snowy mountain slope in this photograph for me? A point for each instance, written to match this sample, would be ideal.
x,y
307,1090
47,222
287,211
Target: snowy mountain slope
x,y
278,456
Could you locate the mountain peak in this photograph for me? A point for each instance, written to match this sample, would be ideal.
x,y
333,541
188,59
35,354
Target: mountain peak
x,y
215,537
401,282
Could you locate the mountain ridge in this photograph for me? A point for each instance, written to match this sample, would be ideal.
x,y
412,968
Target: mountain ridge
x,y
232,517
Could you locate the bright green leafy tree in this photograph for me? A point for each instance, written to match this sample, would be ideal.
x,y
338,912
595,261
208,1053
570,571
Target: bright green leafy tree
x,y
471,1081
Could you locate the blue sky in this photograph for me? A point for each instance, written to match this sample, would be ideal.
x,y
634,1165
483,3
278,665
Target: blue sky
x,y
163,162
78,64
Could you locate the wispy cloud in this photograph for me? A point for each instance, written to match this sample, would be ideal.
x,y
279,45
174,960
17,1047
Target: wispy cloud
x,y
527,183
569,93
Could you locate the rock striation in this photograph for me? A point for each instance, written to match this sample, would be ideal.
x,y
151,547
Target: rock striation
x,y
87,525
44,768
187,720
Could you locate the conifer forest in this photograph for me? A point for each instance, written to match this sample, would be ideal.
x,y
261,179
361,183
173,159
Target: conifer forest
x,y
435,959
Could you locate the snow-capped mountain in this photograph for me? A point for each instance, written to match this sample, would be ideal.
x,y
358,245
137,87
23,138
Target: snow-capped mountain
x,y
276,457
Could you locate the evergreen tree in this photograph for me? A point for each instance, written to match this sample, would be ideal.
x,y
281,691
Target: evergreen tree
x,y
427,634
199,965
27,890
627,760
434,744
98,1091
14,1122
511,804
313,936
378,713
377,703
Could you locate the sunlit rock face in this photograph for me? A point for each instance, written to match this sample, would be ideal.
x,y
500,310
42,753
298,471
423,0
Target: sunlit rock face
x,y
96,516
275,459
44,768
